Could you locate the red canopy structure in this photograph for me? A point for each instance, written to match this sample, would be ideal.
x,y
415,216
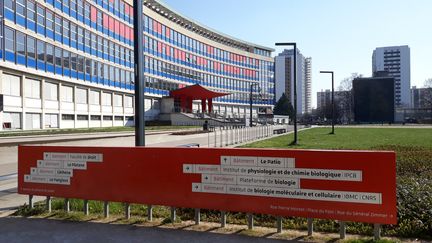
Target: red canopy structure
x,y
195,92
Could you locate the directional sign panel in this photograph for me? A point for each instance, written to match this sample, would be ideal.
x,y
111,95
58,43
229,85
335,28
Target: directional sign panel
x,y
342,185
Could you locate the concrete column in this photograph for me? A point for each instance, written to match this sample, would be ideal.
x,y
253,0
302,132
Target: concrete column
x,y
48,204
106,209
23,112
210,105
1,112
250,221
223,219
342,230
173,214
279,224
203,106
127,210
31,203
377,231
197,216
67,205
75,105
310,226
149,212
86,207
60,97
42,97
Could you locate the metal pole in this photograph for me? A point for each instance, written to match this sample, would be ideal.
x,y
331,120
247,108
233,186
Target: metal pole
x,y
139,74
250,106
333,105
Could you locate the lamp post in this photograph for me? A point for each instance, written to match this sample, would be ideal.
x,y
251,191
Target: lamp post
x,y
139,73
250,103
333,117
294,44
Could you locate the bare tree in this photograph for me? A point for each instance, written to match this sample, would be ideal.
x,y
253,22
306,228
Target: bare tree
x,y
428,94
345,98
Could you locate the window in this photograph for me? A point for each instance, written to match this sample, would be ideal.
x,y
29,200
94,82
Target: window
x,y
32,88
58,57
12,120
51,121
94,97
68,117
67,94
107,118
128,101
11,85
82,117
118,100
51,91
49,54
66,60
9,40
20,7
31,47
41,50
33,121
58,24
81,96
20,43
95,118
49,20
118,118
31,15
106,99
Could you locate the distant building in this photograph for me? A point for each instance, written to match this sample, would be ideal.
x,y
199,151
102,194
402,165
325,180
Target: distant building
x,y
374,99
285,79
421,97
396,61
324,97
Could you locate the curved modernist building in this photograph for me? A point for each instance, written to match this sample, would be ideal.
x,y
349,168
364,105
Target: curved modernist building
x,y
69,63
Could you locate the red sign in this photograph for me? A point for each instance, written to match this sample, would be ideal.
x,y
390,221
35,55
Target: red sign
x,y
342,185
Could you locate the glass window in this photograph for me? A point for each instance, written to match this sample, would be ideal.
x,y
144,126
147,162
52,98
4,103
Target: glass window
x,y
58,57
20,7
11,85
81,96
9,40
73,30
31,47
66,59
87,10
58,23
41,50
40,15
80,7
32,88
49,54
20,43
73,61
9,4
49,20
94,97
51,91
80,64
67,94
31,11
66,28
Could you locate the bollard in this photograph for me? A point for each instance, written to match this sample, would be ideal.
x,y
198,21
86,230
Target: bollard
x,y
250,221
31,204
310,226
377,231
197,216
223,219
342,230
127,210
106,209
279,224
86,207
67,205
173,214
149,212
48,204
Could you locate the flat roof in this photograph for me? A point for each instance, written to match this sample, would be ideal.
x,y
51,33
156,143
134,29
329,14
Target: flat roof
x,y
166,11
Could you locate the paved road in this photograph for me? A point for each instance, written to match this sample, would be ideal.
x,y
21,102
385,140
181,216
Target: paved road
x,y
44,230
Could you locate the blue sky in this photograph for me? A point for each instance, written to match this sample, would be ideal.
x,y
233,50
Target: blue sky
x,y
339,35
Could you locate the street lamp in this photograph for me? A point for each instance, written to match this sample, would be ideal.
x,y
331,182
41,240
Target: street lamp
x,y
333,117
250,103
139,73
294,44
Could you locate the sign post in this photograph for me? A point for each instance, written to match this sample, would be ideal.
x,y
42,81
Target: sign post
x,y
341,185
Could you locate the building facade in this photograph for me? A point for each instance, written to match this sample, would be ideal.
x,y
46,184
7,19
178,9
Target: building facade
x,y
284,76
396,61
69,64
421,97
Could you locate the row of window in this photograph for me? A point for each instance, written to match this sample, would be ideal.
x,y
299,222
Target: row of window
x,y
67,32
171,36
11,86
26,50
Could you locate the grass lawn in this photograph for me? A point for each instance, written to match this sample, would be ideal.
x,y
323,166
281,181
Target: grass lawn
x,y
352,138
413,147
